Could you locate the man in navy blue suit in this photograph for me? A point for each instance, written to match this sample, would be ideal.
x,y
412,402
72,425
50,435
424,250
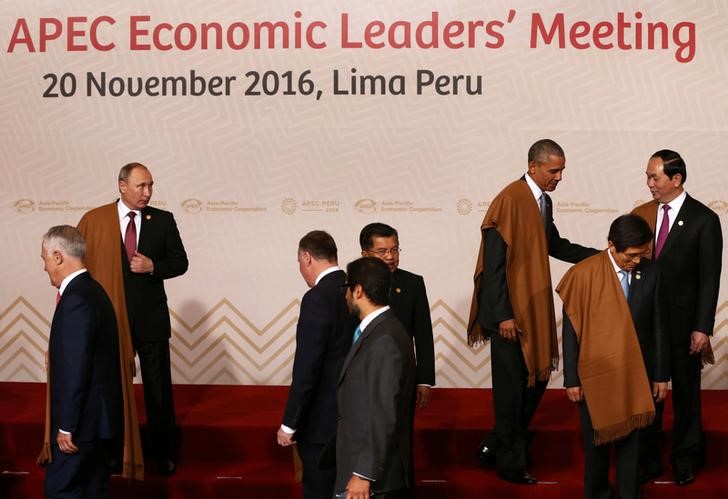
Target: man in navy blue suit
x,y
85,386
323,338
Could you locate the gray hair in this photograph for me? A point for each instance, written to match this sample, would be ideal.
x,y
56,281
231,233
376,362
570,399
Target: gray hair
x,y
127,169
67,239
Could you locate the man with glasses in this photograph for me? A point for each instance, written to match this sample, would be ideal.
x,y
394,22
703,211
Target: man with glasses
x,y
408,299
613,310
513,304
323,338
375,392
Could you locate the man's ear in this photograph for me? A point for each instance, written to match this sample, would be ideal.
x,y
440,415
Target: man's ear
x,y
358,291
57,257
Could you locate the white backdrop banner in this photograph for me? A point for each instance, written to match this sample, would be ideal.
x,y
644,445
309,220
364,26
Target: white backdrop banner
x,y
263,120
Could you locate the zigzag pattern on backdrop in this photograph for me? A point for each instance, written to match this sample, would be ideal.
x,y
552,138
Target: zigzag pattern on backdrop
x,y
225,347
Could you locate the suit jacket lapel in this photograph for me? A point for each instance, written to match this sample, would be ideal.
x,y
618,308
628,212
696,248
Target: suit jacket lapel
x,y
357,346
145,232
682,221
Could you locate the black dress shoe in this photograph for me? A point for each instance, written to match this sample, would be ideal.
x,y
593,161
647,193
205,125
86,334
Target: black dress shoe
x,y
521,477
684,477
167,467
485,456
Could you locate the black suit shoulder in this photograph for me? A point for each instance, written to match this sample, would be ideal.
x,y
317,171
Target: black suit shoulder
x,y
323,338
409,302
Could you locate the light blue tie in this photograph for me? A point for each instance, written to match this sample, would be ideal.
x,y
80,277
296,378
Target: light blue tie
x,y
357,333
624,281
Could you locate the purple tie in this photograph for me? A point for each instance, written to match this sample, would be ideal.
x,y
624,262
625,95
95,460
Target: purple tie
x,y
130,237
664,229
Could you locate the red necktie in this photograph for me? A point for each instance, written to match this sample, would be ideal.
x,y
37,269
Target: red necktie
x,y
58,297
130,238
664,229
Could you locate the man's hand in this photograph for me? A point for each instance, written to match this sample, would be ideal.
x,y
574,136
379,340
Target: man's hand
x,y
423,395
65,443
285,439
699,342
358,488
659,390
509,330
575,393
141,264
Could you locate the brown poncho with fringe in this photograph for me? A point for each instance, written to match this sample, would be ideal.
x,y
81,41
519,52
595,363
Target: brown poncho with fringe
x,y
100,228
515,215
611,369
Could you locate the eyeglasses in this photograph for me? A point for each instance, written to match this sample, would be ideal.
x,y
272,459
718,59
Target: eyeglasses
x,y
386,251
344,286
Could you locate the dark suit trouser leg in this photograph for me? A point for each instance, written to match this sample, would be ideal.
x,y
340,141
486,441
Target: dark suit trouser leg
x,y
596,463
687,437
628,460
158,398
82,475
514,403
317,483
596,460
651,443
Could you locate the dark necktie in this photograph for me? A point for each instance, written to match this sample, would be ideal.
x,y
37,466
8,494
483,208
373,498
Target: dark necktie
x,y
664,229
130,237
542,208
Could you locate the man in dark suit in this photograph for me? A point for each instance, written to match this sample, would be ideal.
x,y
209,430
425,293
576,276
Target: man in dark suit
x,y
514,310
375,393
688,248
323,338
632,326
134,243
83,358
408,300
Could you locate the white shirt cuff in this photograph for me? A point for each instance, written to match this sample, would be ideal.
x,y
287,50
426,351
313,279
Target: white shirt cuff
x,y
288,430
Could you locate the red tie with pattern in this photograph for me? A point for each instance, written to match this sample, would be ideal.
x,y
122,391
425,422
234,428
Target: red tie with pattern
x,y
58,297
130,238
664,229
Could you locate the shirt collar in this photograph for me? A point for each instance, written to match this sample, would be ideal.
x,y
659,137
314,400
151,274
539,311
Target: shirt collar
x,y
124,210
536,190
676,203
372,315
617,268
326,272
68,279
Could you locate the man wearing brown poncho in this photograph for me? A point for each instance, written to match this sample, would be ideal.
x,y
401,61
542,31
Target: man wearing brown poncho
x,y
615,353
131,249
513,304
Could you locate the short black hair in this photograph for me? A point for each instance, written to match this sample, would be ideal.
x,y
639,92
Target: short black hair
x,y
542,149
374,277
320,245
376,229
629,231
672,163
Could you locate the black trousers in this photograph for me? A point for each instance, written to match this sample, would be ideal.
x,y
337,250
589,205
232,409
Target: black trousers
x,y
84,475
514,404
687,435
317,483
596,462
158,398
